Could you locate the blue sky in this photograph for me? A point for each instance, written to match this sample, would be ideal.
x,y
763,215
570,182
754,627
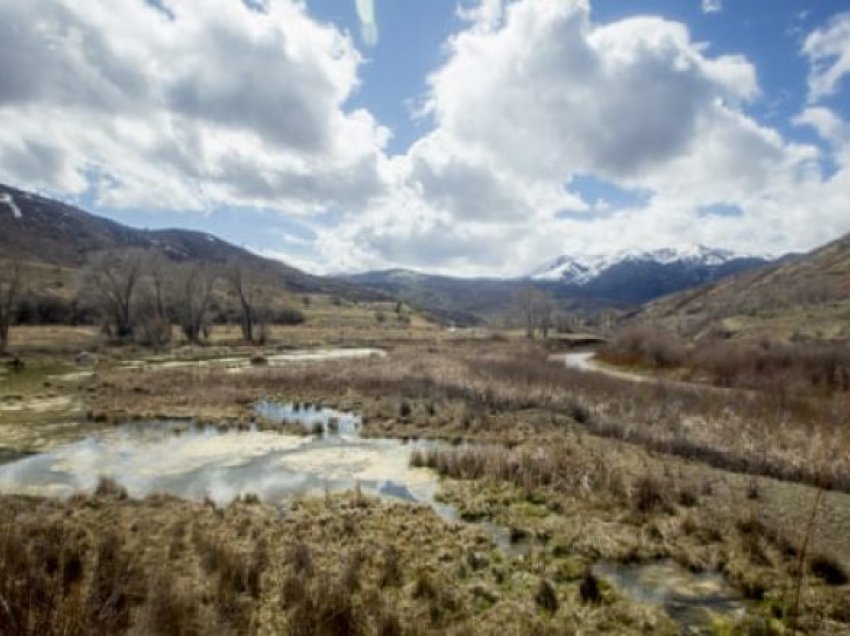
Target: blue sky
x,y
469,137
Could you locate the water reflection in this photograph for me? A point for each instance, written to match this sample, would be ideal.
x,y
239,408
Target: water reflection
x,y
692,599
202,461
314,419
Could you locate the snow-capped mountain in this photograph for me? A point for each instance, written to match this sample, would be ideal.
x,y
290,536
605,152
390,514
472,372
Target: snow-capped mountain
x,y
582,271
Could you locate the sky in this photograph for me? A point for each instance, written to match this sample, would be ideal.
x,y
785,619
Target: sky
x,y
464,137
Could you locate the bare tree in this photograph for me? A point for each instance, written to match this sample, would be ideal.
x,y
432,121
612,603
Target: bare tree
x,y
112,279
524,299
10,282
193,293
537,310
155,323
546,310
246,295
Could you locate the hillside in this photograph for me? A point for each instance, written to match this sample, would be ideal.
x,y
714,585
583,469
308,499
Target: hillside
x,y
45,232
798,297
462,301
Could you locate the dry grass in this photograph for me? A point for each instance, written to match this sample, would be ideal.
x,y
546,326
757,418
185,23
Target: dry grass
x,y
349,565
507,392
577,502
162,566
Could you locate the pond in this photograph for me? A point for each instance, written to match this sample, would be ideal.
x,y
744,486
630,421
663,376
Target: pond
x,y
693,599
197,461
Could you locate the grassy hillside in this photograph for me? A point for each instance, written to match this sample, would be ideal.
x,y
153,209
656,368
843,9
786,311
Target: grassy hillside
x,y
805,297
57,239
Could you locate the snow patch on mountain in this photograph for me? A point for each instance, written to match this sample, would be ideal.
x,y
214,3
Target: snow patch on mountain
x,y
582,270
8,200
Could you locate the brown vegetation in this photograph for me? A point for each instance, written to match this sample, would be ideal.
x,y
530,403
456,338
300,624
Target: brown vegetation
x,y
581,502
341,565
504,392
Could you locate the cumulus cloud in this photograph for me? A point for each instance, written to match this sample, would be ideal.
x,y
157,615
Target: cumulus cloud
x,y
825,122
184,105
368,24
192,105
525,103
828,50
712,6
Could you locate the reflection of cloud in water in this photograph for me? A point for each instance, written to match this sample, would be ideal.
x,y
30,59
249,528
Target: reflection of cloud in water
x,y
203,462
364,461
168,454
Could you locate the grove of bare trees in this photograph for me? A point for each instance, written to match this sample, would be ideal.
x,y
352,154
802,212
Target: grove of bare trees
x,y
537,310
139,294
111,279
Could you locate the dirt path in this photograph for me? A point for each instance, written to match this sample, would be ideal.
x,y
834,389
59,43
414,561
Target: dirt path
x,y
584,361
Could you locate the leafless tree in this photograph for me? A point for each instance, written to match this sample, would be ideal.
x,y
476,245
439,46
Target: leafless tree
x,y
111,280
524,299
546,313
192,295
537,310
155,323
246,295
10,282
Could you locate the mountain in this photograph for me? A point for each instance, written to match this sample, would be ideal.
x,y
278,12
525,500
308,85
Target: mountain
x,y
635,277
582,271
619,280
461,301
800,296
43,231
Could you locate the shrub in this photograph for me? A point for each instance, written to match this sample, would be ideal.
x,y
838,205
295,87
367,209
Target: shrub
x,y
546,597
287,316
108,487
589,589
649,494
645,346
828,569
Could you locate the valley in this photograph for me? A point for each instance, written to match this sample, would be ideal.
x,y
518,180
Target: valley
x,y
373,468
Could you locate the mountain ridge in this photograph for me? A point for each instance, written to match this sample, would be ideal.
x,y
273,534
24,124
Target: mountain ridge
x,y
580,270
38,229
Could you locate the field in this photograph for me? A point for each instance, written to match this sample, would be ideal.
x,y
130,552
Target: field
x,y
548,480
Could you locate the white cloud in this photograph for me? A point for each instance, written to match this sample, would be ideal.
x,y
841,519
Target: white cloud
x,y
368,24
825,122
213,103
828,50
712,6
207,103
523,106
